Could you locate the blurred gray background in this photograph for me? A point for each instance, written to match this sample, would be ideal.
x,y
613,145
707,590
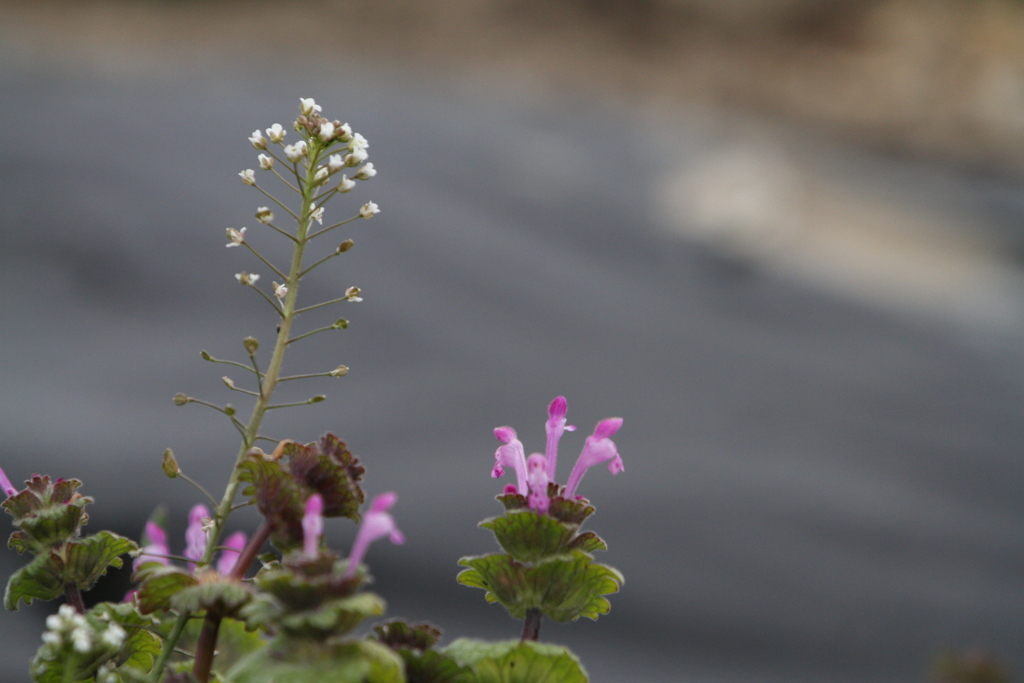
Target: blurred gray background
x,y
782,239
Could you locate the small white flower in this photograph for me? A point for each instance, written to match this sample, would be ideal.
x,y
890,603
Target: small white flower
x,y
245,278
357,142
326,131
345,132
81,640
321,175
51,638
237,237
334,163
276,133
248,176
339,371
54,622
264,215
280,291
368,210
66,612
266,162
366,172
316,214
346,184
308,105
357,157
352,294
296,151
114,636
257,139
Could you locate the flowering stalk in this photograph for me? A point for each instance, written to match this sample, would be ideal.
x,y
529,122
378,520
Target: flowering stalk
x,y
305,159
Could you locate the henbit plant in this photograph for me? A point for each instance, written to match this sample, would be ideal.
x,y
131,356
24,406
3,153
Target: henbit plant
x,y
196,617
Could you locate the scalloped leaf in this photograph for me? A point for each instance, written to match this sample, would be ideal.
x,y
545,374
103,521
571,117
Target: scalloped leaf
x,y
333,618
564,588
40,493
42,579
431,666
211,590
297,661
159,584
87,559
330,469
513,661
303,583
513,501
588,542
528,536
141,647
401,635
278,497
573,511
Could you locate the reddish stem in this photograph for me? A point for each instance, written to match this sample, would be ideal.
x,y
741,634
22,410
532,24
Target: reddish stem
x,y
531,625
74,597
207,644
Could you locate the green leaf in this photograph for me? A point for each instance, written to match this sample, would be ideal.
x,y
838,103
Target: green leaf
x,y
573,511
140,648
431,666
42,578
328,468
528,536
334,617
211,589
512,661
159,583
303,661
588,542
88,559
564,588
278,497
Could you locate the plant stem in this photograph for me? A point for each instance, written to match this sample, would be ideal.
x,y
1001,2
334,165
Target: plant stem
x,y
531,625
74,597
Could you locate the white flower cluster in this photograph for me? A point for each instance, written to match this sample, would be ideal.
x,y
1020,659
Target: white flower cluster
x,y
68,627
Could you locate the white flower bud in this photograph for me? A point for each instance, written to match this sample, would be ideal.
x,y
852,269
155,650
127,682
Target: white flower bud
x,y
245,278
81,640
345,132
321,175
266,162
276,133
308,105
236,237
326,131
366,172
352,294
51,638
368,210
257,140
356,157
228,382
248,176
54,622
114,636
346,184
296,151
66,611
339,371
334,163
264,215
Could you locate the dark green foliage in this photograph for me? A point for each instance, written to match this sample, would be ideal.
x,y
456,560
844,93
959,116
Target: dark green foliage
x,y
513,661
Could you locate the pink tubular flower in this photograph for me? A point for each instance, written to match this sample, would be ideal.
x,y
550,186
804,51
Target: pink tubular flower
x,y
155,548
313,525
555,427
232,549
5,484
598,448
377,524
195,535
510,455
537,477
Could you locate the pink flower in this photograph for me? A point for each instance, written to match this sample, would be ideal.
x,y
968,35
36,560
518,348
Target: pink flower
x,y
537,477
376,524
313,525
510,455
5,484
555,426
155,548
598,448
195,535
229,556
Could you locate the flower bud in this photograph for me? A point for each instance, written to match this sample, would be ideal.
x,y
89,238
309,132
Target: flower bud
x,y
170,464
257,139
356,157
334,163
340,324
276,133
321,175
345,185
205,356
264,215
368,210
248,176
345,246
229,410
366,172
339,371
352,294
250,344
228,382
280,291
266,162
326,131
344,131
181,399
317,399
